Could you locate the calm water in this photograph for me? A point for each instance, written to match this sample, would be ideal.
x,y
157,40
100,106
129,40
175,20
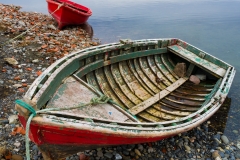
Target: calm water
x,y
212,25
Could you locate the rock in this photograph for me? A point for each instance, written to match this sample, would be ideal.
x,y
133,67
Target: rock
x,y
52,27
17,85
108,155
100,154
188,149
137,152
194,79
224,139
17,157
11,61
237,154
35,61
118,156
17,144
3,150
216,155
140,147
180,69
12,119
235,131
238,145
21,23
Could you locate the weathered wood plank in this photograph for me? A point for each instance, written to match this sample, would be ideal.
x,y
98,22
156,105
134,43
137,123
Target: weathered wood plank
x,y
216,70
145,104
164,70
168,65
125,100
144,78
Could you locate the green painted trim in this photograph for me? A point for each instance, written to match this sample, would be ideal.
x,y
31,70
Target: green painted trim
x,y
200,53
51,88
137,54
98,64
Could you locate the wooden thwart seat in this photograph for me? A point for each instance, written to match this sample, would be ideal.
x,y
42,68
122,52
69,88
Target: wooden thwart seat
x,y
147,103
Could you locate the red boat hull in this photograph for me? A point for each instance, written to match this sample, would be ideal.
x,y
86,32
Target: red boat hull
x,y
53,140
69,13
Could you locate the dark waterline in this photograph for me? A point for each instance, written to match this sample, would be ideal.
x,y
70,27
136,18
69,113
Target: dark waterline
x,y
211,25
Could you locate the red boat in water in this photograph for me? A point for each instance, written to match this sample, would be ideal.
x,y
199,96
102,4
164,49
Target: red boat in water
x,y
66,12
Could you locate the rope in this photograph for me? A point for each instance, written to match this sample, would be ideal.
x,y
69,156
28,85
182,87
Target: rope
x,y
59,6
98,100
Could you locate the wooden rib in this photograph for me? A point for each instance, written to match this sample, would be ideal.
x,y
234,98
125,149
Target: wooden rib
x,y
152,76
91,79
196,88
183,101
116,88
134,72
164,70
144,78
168,65
163,108
185,91
124,88
132,83
145,104
190,97
127,75
179,106
170,61
160,114
122,85
149,117
156,70
106,89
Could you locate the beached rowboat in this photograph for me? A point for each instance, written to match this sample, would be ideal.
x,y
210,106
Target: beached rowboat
x,y
152,89
66,12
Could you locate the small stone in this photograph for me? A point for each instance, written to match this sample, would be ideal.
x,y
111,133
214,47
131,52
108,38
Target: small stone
x,y
188,149
21,23
215,154
3,150
235,131
150,150
118,156
137,152
11,61
108,155
17,144
17,157
52,27
12,119
237,154
194,79
140,147
99,154
224,139
35,61
238,145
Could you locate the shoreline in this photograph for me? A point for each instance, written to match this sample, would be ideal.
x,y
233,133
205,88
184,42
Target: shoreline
x,y
40,47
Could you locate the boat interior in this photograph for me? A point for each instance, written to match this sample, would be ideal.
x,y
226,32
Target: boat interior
x,y
143,89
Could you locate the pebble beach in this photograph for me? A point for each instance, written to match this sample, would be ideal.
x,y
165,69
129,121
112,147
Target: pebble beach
x,y
23,59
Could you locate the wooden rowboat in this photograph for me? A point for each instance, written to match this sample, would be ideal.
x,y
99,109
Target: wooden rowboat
x,y
151,89
66,12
